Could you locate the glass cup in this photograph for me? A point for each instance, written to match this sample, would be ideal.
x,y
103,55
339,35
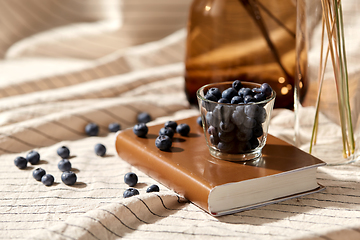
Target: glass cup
x,y
235,132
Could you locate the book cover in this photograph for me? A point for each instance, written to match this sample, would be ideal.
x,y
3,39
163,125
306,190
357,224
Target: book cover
x,y
190,170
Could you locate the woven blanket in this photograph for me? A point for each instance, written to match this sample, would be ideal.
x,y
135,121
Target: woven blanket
x,y
64,64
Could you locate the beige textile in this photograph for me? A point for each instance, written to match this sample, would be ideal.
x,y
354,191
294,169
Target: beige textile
x,y
65,63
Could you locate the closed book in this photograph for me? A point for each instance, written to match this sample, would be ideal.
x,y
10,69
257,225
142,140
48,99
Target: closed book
x,y
217,186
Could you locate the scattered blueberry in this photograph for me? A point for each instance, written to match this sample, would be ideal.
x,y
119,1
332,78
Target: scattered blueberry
x,y
68,177
140,129
20,162
171,124
33,157
92,129
199,121
153,188
47,179
166,131
143,117
131,179
63,152
114,127
130,192
163,142
183,129
100,149
64,165
38,173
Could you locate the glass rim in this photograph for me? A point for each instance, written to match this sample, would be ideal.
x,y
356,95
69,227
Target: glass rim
x,y
198,95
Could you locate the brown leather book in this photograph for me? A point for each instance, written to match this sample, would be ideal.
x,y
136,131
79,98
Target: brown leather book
x,y
217,186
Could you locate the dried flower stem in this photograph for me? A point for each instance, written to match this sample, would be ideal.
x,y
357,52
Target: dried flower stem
x,y
332,13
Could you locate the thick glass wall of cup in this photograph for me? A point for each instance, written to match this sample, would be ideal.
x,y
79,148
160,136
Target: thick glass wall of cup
x,y
235,132
327,98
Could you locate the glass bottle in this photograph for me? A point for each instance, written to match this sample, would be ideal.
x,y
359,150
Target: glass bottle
x,y
249,40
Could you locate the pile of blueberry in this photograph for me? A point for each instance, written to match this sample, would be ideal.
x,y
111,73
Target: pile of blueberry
x,y
236,127
164,140
33,157
131,179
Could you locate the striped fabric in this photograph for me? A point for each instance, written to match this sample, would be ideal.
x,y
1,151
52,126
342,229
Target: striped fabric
x,y
65,63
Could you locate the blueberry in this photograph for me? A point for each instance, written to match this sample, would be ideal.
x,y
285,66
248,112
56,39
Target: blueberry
x,y
223,100
166,131
229,93
237,85
248,99
226,136
130,192
211,120
252,110
214,139
63,152
143,117
244,92
92,129
64,165
68,177
212,130
256,90
199,121
215,91
266,89
20,162
183,129
238,116
114,127
225,146
244,134
131,179
261,117
140,129
33,157
259,97
223,113
38,173
153,188
211,97
47,179
226,126
171,124
258,131
100,149
236,100
249,122
163,142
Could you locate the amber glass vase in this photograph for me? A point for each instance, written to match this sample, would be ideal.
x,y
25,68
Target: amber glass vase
x,y
249,40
